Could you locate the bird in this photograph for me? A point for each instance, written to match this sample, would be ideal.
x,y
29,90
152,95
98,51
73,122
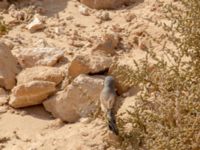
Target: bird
x,y
107,101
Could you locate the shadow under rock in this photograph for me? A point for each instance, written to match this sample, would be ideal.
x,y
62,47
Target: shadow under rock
x,y
131,4
54,7
38,111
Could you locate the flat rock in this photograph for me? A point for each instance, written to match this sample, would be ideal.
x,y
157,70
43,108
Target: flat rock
x,y
32,93
39,56
8,67
42,73
84,64
79,99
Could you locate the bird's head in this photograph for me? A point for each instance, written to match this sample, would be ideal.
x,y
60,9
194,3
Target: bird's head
x,y
109,82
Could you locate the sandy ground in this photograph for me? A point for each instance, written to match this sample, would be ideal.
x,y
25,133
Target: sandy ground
x,y
33,128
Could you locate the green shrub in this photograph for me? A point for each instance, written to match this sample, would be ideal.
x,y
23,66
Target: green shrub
x,y
167,113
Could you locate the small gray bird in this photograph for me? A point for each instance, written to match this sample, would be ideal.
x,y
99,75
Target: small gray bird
x,y
107,99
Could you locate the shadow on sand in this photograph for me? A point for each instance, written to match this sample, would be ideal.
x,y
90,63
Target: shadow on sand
x,y
38,112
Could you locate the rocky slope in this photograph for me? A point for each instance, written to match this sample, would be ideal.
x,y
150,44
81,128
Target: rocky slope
x,y
49,46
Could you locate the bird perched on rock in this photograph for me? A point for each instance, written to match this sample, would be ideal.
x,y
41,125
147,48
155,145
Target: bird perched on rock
x,y
107,99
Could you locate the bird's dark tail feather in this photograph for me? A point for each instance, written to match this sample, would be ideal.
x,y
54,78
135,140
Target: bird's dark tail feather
x,y
112,122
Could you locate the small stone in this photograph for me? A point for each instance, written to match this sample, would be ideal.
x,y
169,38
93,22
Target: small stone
x,y
35,25
129,17
84,10
104,16
107,44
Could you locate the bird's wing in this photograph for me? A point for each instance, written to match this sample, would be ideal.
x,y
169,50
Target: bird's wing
x,y
110,101
107,100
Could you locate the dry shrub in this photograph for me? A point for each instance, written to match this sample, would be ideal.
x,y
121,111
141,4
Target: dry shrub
x,y
3,28
167,113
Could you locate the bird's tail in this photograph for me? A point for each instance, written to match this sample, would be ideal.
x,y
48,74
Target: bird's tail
x,y
112,122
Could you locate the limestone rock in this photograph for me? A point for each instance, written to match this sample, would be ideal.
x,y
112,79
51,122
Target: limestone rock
x,y
107,44
8,67
32,93
44,56
3,96
84,64
78,100
104,4
42,73
35,25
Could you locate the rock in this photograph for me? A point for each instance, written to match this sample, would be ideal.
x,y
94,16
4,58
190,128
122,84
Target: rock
x,y
3,110
4,4
129,17
104,4
44,56
35,25
84,11
8,67
42,73
32,93
84,64
3,97
104,16
107,44
79,99
144,44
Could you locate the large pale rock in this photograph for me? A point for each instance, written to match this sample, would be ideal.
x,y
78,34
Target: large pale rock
x,y
78,100
104,4
84,64
8,67
32,93
45,56
42,73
